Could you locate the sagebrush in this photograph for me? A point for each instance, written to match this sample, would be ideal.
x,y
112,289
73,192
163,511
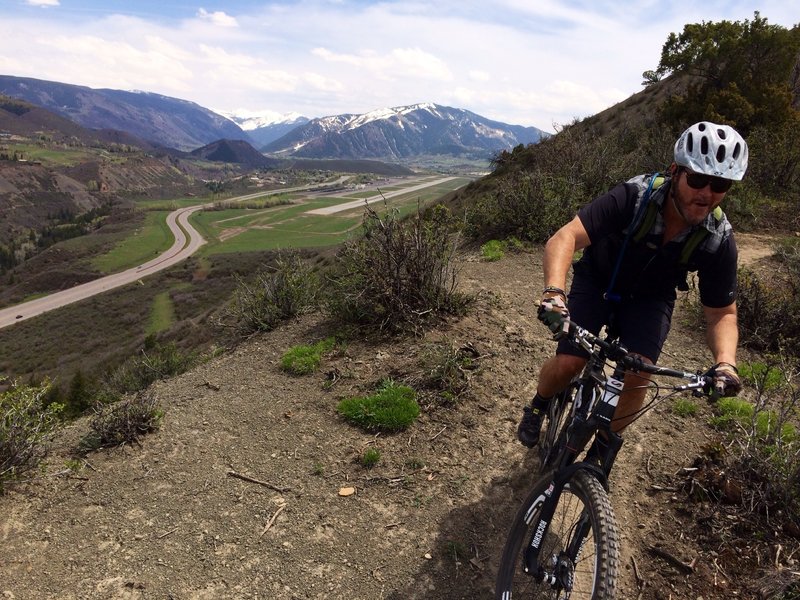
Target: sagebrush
x,y
27,427
400,274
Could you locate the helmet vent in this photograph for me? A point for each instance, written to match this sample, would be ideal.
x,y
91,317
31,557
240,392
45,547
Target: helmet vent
x,y
721,134
704,145
690,143
701,126
720,154
737,149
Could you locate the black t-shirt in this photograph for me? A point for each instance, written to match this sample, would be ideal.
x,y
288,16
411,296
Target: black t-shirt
x,y
650,269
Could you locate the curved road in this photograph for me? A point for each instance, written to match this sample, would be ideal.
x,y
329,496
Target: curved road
x,y
181,249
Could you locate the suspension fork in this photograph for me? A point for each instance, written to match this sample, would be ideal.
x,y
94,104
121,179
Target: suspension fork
x,y
548,501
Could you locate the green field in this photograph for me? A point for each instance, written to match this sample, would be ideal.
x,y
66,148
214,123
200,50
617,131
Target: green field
x,y
291,226
150,240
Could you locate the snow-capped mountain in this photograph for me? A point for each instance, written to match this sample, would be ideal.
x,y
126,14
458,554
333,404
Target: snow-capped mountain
x,y
265,126
403,132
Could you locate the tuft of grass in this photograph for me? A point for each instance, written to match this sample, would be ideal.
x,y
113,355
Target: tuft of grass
x,y
370,457
27,427
304,359
447,367
392,408
684,407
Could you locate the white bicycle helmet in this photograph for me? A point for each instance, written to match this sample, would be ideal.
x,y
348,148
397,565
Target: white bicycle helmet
x,y
712,149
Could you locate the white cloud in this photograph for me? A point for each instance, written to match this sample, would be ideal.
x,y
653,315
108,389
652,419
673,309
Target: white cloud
x,y
522,62
42,3
218,18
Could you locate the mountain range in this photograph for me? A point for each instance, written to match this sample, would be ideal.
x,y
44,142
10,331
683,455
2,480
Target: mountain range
x,y
403,132
387,134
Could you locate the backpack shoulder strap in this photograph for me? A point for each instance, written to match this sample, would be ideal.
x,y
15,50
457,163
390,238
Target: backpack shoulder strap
x,y
646,218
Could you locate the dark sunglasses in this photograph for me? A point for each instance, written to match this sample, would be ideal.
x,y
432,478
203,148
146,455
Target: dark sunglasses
x,y
698,181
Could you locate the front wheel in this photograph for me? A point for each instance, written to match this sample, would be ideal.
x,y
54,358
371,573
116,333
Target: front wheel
x,y
580,550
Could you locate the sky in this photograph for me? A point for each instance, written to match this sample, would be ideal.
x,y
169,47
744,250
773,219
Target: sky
x,y
540,63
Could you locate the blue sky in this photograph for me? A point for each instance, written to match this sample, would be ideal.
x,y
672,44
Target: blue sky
x,y
524,62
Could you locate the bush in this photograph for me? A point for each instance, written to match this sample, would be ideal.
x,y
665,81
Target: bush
x,y
155,361
493,250
765,444
123,422
287,289
302,360
393,408
769,305
400,274
26,429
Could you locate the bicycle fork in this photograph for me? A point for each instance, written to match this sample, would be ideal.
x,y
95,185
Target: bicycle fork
x,y
543,508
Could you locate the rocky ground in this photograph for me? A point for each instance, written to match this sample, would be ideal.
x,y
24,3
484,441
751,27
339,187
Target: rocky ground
x,y
241,492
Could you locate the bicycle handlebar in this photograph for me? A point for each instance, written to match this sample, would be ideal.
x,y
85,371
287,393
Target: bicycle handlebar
x,y
615,352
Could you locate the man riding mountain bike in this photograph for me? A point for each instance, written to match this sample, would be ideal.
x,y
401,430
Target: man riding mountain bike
x,y
639,242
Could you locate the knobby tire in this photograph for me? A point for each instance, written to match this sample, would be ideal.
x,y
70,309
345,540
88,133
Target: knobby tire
x,y
557,414
595,572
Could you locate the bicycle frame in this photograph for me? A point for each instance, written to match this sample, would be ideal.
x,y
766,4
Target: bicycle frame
x,y
594,403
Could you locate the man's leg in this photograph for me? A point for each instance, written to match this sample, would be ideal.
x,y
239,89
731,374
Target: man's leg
x,y
632,398
554,376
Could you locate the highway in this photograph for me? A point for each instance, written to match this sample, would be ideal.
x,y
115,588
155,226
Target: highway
x,y
182,248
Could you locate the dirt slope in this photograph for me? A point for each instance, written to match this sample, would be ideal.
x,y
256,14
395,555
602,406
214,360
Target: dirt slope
x,y
167,519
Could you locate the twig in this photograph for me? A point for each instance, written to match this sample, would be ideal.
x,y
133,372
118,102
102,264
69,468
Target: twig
x,y
209,385
390,525
674,561
163,535
661,488
271,486
272,520
639,580
647,466
438,434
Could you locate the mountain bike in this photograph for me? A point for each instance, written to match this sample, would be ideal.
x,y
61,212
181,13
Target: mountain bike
x,y
563,542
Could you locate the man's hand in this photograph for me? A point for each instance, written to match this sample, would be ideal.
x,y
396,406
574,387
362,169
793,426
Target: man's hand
x,y
552,312
726,380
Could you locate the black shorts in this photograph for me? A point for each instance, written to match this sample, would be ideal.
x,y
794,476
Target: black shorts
x,y
642,323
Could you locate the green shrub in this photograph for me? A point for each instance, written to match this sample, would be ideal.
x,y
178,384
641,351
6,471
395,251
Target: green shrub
x,y
764,425
764,439
123,422
392,408
290,288
493,250
303,359
400,274
27,427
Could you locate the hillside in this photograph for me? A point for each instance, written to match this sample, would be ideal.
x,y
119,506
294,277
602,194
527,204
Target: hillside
x,y
234,151
167,518
165,121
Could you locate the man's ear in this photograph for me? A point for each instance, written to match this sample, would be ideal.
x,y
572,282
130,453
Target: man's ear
x,y
672,170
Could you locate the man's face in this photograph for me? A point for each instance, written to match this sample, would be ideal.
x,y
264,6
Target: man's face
x,y
696,203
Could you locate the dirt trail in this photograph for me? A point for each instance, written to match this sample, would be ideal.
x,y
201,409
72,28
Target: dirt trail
x,y
166,519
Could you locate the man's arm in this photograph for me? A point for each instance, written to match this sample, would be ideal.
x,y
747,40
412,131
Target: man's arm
x,y
722,332
560,249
